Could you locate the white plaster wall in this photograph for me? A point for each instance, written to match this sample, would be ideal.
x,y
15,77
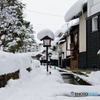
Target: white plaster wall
x,y
57,49
53,52
93,7
64,50
68,46
82,33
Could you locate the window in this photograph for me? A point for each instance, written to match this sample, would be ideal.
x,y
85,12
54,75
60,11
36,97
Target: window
x,y
95,23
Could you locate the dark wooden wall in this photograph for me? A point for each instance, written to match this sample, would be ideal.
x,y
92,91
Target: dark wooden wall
x,y
93,44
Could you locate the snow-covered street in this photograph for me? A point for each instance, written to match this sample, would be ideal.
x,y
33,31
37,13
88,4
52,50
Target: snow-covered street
x,y
37,85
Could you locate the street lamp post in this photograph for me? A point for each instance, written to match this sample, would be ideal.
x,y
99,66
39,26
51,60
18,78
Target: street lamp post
x,y
46,36
46,43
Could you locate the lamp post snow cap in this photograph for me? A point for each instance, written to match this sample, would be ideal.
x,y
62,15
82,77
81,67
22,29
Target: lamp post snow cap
x,y
45,33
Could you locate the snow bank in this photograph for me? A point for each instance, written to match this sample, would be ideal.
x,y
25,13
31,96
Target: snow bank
x,y
74,10
93,78
37,85
12,62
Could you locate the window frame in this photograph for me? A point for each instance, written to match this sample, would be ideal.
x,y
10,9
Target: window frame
x,y
95,23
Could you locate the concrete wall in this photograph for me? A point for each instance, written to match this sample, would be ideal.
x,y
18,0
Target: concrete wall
x,y
93,7
82,33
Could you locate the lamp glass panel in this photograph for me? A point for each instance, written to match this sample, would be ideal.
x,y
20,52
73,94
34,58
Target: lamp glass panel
x,y
46,41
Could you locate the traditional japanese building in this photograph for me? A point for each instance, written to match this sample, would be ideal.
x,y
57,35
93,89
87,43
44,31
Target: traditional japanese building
x,y
93,34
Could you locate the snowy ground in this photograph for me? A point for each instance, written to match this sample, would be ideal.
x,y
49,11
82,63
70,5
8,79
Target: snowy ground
x,y
37,85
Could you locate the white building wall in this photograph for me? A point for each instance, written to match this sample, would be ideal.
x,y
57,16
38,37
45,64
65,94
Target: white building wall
x,y
93,7
57,49
64,50
68,46
82,33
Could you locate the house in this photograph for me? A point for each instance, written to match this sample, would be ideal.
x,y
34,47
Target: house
x,y
93,34
78,50
65,54
57,47
72,43
62,53
89,32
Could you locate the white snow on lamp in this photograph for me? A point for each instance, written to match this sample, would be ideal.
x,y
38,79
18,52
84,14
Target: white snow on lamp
x,y
46,35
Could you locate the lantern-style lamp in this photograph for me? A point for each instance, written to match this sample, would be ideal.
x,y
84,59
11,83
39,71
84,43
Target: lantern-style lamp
x,y
46,41
46,36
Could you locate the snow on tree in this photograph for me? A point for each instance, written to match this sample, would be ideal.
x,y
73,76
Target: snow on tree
x,y
14,31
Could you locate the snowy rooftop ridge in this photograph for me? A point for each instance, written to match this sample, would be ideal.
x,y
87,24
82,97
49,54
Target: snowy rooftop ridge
x,y
74,10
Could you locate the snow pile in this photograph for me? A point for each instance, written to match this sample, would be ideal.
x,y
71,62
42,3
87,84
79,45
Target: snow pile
x,y
12,62
74,10
93,78
37,85
45,32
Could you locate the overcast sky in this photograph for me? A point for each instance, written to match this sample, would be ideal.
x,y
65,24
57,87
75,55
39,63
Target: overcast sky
x,y
46,13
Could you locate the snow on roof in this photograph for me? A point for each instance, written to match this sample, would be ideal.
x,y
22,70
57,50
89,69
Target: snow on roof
x,y
74,10
61,41
70,24
45,32
57,33
66,27
53,43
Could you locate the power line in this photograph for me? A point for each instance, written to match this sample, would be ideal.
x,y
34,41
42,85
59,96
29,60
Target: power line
x,y
45,13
